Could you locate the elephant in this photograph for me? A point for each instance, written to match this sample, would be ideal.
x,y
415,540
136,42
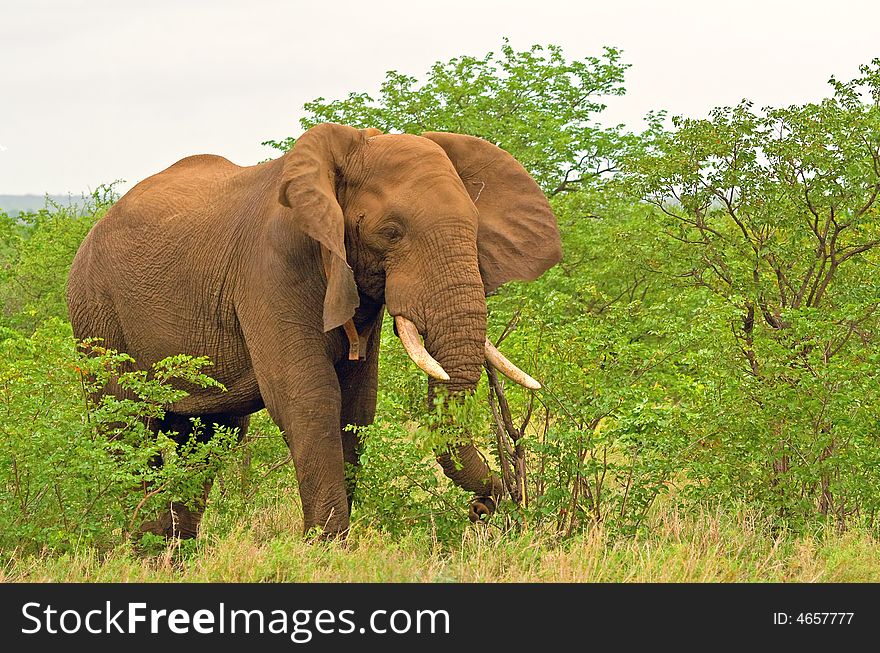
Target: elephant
x,y
281,274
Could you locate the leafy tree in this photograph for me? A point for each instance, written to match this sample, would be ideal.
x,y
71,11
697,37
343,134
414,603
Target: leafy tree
x,y
774,216
535,104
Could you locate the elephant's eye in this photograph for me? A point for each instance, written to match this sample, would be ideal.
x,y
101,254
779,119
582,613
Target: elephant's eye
x,y
391,232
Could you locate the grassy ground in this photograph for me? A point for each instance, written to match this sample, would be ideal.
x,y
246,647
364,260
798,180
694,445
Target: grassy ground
x,y
706,548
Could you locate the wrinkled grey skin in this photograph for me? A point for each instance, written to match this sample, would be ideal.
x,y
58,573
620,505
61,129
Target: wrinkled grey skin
x,y
257,267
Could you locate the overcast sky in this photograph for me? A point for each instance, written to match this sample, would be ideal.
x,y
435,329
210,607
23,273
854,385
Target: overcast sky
x,y
92,90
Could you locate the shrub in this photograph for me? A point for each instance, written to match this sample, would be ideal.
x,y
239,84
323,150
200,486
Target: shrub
x,y
79,471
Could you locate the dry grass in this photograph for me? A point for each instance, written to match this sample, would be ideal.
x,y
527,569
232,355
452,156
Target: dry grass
x,y
704,548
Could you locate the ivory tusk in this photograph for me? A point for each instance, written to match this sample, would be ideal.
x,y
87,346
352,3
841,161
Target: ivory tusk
x,y
508,369
409,336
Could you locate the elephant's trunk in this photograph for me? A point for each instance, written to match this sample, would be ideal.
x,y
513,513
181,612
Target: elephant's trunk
x,y
453,307
445,302
455,335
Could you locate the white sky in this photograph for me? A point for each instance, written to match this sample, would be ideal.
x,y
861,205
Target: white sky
x,y
93,90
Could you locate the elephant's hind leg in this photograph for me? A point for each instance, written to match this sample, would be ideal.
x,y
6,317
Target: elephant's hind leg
x,y
181,520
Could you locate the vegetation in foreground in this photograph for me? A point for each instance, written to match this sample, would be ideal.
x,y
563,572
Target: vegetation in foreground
x,y
706,547
711,339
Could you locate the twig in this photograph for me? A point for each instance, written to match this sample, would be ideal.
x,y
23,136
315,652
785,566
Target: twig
x,y
149,495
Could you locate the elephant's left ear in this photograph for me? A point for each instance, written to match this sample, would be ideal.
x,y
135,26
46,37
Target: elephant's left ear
x,y
518,238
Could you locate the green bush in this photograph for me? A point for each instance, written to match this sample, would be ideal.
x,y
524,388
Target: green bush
x,y
36,252
76,471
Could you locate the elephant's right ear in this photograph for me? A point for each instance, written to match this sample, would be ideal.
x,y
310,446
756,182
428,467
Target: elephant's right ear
x,y
308,186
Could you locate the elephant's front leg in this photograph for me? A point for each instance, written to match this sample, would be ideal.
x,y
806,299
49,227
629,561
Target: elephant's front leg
x,y
307,410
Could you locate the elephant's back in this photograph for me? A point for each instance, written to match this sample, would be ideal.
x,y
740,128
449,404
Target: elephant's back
x,y
191,206
158,269
181,192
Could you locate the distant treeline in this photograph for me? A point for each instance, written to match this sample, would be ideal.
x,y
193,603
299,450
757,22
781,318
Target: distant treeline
x,y
15,204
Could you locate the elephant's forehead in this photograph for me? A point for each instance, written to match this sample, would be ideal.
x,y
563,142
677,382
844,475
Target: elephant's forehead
x,y
406,152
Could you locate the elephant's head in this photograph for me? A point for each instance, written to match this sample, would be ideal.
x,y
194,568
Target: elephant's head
x,y
427,225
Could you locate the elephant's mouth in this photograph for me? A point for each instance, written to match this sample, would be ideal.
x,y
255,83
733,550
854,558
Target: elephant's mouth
x,y
412,343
